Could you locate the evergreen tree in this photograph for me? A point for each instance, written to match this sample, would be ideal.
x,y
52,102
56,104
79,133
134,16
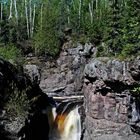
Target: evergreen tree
x,y
131,29
112,38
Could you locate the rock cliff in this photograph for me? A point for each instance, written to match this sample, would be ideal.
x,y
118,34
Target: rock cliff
x,y
112,108
111,105
66,75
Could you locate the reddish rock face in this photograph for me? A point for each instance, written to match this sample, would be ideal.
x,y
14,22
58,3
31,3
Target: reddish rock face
x,y
105,106
110,106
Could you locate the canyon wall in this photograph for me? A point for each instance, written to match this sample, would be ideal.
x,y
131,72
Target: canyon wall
x,y
112,107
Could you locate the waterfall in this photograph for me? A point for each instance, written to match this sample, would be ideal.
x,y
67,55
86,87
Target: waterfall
x,y
67,123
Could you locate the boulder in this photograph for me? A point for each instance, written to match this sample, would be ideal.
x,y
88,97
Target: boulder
x,y
34,73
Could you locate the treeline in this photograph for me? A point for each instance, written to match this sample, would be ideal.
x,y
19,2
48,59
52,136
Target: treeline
x,y
112,25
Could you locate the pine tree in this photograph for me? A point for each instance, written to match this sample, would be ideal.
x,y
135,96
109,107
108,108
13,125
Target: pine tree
x,y
112,38
132,28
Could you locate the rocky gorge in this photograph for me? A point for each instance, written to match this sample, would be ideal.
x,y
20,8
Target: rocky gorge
x,y
110,88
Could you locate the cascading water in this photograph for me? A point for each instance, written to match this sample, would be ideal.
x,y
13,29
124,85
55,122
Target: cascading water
x,y
62,122
67,123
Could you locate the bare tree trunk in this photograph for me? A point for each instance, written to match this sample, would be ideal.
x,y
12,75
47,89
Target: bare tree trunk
x,y
27,20
30,17
22,7
33,20
41,17
79,15
16,12
68,9
91,12
78,98
11,7
1,11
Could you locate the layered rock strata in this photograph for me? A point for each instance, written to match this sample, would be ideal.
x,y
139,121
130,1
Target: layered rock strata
x,y
112,108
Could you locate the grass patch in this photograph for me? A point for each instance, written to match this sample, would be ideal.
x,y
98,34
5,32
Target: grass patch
x,y
18,104
11,53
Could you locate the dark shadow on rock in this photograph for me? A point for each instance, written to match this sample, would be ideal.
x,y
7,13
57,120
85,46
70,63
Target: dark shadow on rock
x,y
36,129
36,126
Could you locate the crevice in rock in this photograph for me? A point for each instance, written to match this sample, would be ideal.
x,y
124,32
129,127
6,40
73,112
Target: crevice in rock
x,y
104,91
116,86
90,79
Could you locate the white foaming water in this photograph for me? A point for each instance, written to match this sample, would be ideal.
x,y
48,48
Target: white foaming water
x,y
67,126
72,126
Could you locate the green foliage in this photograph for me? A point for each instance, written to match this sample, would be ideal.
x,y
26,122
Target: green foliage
x,y
46,40
113,31
136,91
11,53
18,104
46,43
131,30
113,26
11,32
121,34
